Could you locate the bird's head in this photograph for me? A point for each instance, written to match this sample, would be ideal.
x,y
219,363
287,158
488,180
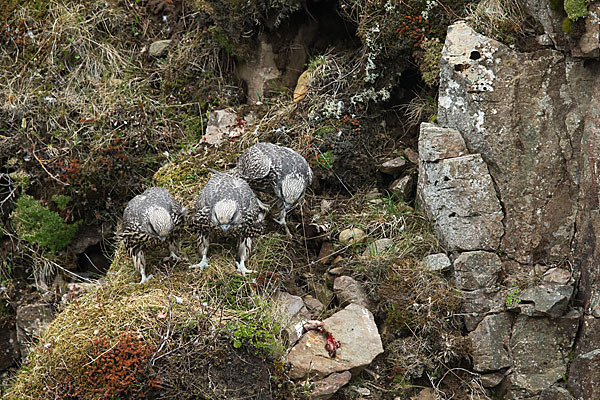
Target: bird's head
x,y
159,222
292,190
225,214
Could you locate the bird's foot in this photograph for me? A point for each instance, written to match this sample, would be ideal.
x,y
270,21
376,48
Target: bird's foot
x,y
146,278
174,257
263,206
202,265
242,268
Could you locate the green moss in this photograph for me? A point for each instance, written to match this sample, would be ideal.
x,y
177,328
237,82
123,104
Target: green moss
x,y
567,26
61,200
575,9
37,224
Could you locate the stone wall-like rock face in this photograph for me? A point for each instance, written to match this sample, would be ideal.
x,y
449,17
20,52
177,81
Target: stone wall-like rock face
x,y
533,119
521,112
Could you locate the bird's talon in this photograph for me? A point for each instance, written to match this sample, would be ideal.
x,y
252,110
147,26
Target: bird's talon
x,y
202,265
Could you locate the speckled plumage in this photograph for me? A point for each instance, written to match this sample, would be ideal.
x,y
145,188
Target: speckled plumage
x,y
149,219
276,170
227,206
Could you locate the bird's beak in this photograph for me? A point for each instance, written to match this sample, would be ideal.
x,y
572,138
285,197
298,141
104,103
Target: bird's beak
x,y
224,227
287,206
162,238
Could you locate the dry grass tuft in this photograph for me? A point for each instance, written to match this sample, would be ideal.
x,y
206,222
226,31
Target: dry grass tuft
x,y
503,20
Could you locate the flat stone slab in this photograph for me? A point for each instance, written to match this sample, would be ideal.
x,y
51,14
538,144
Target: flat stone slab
x,y
355,329
458,195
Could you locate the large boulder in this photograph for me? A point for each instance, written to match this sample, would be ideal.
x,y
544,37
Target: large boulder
x,y
457,193
355,329
520,111
476,270
541,348
489,343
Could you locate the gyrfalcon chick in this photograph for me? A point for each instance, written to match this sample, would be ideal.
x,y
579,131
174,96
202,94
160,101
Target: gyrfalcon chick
x,y
227,206
149,219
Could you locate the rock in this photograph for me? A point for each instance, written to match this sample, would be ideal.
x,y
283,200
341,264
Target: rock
x,y
9,348
489,342
556,393
321,292
325,253
337,271
363,391
325,388
257,71
589,43
411,155
476,270
402,188
557,275
524,129
551,20
548,300
393,167
355,329
583,376
477,304
313,305
349,291
437,262
292,313
491,380
540,349
31,321
425,394
352,236
458,195
159,48
301,86
378,247
437,143
222,124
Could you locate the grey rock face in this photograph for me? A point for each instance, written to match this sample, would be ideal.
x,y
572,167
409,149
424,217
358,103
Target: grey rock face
x,y
325,388
550,300
476,270
583,376
437,262
437,143
31,321
477,304
459,197
489,343
556,393
350,291
523,128
540,348
355,329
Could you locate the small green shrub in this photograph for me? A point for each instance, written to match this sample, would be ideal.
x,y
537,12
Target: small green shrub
x,y
429,63
256,328
575,9
37,224
61,200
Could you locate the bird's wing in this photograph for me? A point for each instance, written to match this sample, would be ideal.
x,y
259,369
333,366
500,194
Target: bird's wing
x,y
254,163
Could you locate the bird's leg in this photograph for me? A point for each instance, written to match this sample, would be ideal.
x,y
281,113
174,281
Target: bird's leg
x,y
139,262
262,205
281,221
244,247
174,252
203,243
